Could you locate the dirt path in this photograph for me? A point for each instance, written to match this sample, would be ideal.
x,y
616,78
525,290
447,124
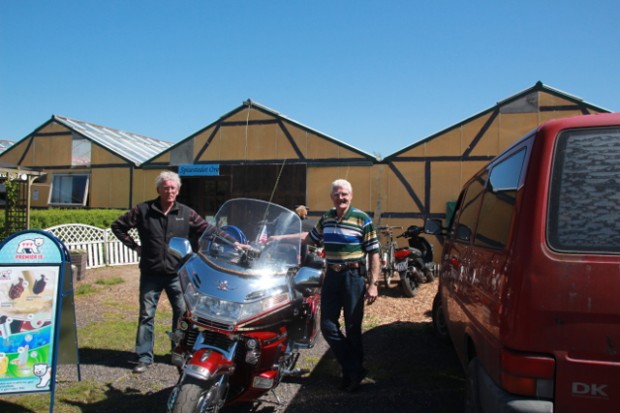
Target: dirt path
x,y
410,370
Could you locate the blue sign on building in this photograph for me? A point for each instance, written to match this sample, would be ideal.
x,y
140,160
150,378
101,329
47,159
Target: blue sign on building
x,y
211,169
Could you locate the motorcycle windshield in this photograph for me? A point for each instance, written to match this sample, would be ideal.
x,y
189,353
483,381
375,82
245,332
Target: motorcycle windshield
x,y
271,231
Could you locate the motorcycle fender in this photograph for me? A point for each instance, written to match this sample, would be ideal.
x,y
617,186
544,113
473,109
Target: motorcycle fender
x,y
207,363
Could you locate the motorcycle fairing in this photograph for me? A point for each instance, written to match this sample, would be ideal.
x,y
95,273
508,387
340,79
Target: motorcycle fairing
x,y
261,296
206,363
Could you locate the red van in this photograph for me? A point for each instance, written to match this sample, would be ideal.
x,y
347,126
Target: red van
x,y
529,290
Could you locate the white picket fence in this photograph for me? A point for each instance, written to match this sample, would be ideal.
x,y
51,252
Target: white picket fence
x,y
101,245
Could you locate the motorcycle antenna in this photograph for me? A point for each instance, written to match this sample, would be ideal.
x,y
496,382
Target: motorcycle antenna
x,y
273,191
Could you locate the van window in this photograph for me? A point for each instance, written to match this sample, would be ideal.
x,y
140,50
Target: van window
x,y
498,205
584,202
469,208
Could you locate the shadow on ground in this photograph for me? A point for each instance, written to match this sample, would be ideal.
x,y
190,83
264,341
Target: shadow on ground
x,y
410,370
8,407
125,400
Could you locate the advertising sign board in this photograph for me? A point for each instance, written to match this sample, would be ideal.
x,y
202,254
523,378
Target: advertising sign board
x,y
32,266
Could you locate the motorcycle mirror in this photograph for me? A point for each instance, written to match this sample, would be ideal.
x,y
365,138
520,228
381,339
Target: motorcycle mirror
x,y
307,278
179,247
432,226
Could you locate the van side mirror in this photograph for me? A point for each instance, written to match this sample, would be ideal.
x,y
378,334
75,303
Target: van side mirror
x,y
433,226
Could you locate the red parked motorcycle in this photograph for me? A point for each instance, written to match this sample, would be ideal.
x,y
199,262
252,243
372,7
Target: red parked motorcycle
x,y
413,263
249,311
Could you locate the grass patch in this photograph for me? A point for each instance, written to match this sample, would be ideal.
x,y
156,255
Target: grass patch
x,y
123,333
110,281
109,335
85,289
70,398
371,322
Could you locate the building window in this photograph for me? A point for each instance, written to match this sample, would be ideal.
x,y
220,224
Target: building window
x,y
69,190
81,153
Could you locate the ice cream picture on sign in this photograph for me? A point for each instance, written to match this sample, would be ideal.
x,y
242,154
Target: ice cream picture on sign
x,y
24,294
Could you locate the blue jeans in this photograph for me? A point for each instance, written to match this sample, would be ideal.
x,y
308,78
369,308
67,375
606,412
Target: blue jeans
x,y
344,291
151,287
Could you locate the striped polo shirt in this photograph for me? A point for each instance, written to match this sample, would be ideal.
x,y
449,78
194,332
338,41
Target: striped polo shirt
x,y
347,239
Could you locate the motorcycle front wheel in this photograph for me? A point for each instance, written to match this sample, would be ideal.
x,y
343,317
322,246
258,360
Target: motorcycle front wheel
x,y
199,396
410,286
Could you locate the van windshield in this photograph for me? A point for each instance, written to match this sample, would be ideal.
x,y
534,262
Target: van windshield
x,y
584,204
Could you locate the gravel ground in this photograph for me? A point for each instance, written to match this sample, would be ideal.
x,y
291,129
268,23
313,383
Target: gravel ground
x,y
410,369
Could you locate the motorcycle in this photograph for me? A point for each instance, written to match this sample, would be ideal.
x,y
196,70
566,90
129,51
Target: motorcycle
x,y
414,263
249,311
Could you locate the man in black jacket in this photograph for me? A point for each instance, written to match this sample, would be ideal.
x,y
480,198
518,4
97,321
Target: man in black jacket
x,y
157,221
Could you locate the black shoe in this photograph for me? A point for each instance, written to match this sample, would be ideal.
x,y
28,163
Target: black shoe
x,y
344,383
356,381
141,367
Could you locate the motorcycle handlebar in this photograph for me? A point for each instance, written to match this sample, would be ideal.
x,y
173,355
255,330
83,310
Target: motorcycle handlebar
x,y
412,231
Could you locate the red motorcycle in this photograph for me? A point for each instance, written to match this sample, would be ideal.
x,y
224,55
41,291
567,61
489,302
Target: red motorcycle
x,y
249,311
413,263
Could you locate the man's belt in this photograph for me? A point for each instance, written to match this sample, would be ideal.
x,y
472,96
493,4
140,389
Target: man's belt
x,y
342,267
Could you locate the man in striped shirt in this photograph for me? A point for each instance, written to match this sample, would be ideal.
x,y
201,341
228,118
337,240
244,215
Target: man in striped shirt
x,y
348,237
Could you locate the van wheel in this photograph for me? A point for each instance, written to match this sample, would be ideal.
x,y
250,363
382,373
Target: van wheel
x,y
472,399
439,320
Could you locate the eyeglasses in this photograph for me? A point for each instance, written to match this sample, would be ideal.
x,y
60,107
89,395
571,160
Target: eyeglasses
x,y
340,194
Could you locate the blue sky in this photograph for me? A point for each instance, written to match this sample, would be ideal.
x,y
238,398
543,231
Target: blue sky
x,y
378,75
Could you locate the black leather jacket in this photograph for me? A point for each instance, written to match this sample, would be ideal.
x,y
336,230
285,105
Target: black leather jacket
x,y
155,231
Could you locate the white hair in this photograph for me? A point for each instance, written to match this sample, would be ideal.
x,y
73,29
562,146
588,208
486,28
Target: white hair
x,y
342,183
168,176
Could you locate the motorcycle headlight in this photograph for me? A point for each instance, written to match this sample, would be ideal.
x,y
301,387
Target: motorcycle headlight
x,y
256,308
213,308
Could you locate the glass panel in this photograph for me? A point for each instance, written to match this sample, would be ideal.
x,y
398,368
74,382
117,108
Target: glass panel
x,y
469,209
81,154
69,189
585,192
499,203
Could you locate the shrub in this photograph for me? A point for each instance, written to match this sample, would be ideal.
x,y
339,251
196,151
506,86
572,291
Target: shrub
x,y
45,218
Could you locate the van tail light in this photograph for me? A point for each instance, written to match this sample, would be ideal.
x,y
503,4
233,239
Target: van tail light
x,y
527,375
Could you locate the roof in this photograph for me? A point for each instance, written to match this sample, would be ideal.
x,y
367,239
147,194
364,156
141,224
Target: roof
x,y
254,104
130,146
251,104
539,86
4,144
